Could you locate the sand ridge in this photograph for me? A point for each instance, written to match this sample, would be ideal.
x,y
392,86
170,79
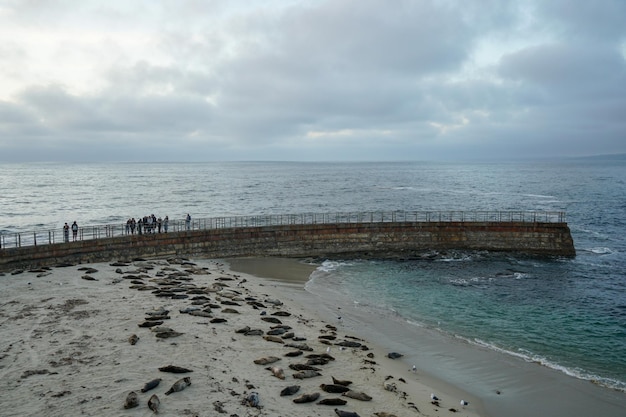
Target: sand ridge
x,y
67,348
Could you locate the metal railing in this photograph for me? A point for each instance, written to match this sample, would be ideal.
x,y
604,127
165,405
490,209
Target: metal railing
x,y
50,236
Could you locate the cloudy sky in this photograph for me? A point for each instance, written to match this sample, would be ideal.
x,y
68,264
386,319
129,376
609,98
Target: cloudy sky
x,y
203,80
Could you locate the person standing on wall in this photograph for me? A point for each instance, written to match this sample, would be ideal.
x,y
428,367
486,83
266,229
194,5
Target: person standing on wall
x,y
188,221
66,233
74,230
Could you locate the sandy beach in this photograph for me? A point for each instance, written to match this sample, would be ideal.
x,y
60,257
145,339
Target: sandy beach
x,y
191,338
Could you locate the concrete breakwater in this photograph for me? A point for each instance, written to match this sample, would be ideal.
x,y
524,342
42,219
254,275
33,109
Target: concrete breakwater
x,y
395,240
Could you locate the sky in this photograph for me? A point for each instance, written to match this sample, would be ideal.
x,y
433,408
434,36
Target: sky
x,y
311,80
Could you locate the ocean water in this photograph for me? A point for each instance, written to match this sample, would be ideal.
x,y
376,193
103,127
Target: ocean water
x,y
567,314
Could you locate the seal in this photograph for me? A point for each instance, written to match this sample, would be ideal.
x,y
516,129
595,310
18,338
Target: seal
x,y
343,382
335,389
361,396
306,374
179,385
133,339
307,398
168,334
290,390
154,403
274,339
131,400
394,355
174,369
384,414
302,367
332,401
151,385
271,320
277,371
252,400
341,413
218,320
266,360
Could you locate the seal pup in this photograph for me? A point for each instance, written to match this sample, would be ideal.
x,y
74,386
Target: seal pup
x,y
154,403
343,382
306,374
133,339
342,413
131,400
266,360
332,401
174,369
151,385
361,396
274,339
335,389
290,390
306,398
252,400
179,385
277,371
168,334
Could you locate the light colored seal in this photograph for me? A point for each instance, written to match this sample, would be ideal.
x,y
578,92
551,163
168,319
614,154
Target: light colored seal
x,y
266,360
131,400
361,396
154,403
179,385
277,371
306,398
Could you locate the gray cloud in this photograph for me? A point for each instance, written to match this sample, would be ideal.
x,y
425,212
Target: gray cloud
x,y
317,80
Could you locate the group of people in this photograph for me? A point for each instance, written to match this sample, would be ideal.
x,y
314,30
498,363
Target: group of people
x,y
144,225
147,224
66,231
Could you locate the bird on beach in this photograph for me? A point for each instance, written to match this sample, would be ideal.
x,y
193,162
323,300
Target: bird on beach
x,y
464,403
434,397
414,369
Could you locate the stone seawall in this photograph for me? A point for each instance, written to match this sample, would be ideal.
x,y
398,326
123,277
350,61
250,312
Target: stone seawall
x,y
401,240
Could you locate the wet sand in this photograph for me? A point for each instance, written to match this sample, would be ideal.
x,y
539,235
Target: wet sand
x,y
498,384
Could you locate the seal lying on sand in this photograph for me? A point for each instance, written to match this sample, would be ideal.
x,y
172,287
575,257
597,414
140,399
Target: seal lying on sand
x,y
342,413
174,369
343,382
179,385
131,400
266,360
151,385
290,390
306,398
277,371
337,389
361,396
332,401
154,403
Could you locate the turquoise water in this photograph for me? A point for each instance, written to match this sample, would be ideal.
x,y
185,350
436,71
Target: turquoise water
x,y
538,310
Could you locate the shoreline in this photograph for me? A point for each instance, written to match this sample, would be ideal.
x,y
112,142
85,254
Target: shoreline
x,y
501,384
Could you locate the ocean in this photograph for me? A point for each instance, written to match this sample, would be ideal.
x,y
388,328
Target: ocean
x,y
565,314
